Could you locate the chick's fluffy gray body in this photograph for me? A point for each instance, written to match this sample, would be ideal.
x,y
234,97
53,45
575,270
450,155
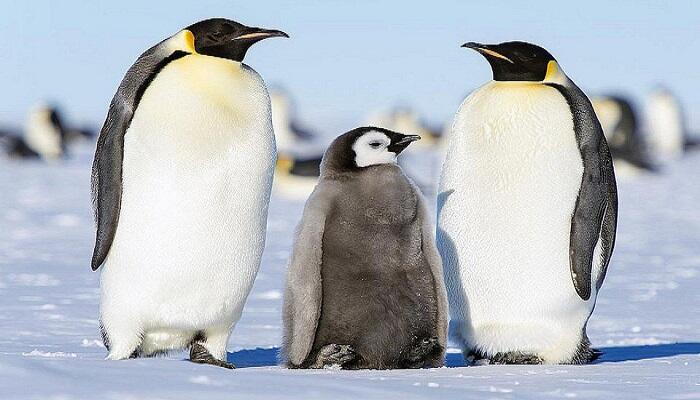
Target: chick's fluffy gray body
x,y
380,286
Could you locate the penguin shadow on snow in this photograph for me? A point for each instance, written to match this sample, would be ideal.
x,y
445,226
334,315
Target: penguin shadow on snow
x,y
647,352
616,354
258,357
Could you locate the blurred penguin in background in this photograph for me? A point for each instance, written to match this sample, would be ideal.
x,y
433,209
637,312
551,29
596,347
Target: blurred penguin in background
x,y
43,137
665,126
44,132
299,149
290,136
14,146
620,124
79,134
405,119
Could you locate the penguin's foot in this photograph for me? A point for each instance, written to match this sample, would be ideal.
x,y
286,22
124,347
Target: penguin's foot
x,y
423,352
585,353
515,357
475,357
334,355
200,355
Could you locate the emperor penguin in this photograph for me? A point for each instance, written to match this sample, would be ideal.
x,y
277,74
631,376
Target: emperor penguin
x,y
364,285
628,145
44,132
299,150
44,136
665,126
527,213
181,184
290,135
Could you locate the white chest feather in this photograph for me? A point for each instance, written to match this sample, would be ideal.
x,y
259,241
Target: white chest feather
x,y
197,172
509,186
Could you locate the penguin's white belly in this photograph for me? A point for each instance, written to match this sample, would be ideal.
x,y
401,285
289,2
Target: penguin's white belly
x,y
511,177
665,128
197,173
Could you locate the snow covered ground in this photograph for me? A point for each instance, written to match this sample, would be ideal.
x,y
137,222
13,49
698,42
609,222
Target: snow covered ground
x,y
647,321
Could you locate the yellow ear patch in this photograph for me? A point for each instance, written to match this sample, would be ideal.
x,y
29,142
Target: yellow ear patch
x,y
188,39
183,41
554,73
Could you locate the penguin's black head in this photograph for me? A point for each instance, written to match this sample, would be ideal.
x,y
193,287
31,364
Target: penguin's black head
x,y
364,147
515,61
224,38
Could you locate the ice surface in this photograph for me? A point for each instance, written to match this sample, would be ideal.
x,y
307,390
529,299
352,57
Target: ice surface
x,y
647,321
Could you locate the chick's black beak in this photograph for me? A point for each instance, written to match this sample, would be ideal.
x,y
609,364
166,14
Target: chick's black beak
x,y
402,142
252,34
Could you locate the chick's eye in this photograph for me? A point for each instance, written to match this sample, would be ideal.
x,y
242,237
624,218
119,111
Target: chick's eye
x,y
375,144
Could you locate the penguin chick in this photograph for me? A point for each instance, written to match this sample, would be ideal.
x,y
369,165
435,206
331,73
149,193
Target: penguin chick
x,y
364,285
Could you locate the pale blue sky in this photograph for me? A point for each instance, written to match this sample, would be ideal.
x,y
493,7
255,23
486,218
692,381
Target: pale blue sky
x,y
345,60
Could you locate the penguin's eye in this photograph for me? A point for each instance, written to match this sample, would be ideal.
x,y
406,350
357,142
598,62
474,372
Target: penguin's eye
x,y
214,36
375,145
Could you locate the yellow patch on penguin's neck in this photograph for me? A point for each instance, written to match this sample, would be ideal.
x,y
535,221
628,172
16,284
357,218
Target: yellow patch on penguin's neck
x,y
220,81
554,73
183,41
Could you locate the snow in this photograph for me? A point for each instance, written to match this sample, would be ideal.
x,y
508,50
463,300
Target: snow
x,y
647,320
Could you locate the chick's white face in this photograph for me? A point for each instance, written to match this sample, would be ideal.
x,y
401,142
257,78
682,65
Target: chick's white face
x,y
372,148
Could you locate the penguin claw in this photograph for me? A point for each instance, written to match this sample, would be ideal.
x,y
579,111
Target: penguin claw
x,y
423,351
515,357
478,358
335,355
200,355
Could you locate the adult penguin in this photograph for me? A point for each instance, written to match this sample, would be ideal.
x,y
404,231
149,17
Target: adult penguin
x,y
181,184
527,212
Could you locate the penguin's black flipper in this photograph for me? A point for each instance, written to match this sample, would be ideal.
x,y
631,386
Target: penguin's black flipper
x,y
435,262
303,295
595,213
107,166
